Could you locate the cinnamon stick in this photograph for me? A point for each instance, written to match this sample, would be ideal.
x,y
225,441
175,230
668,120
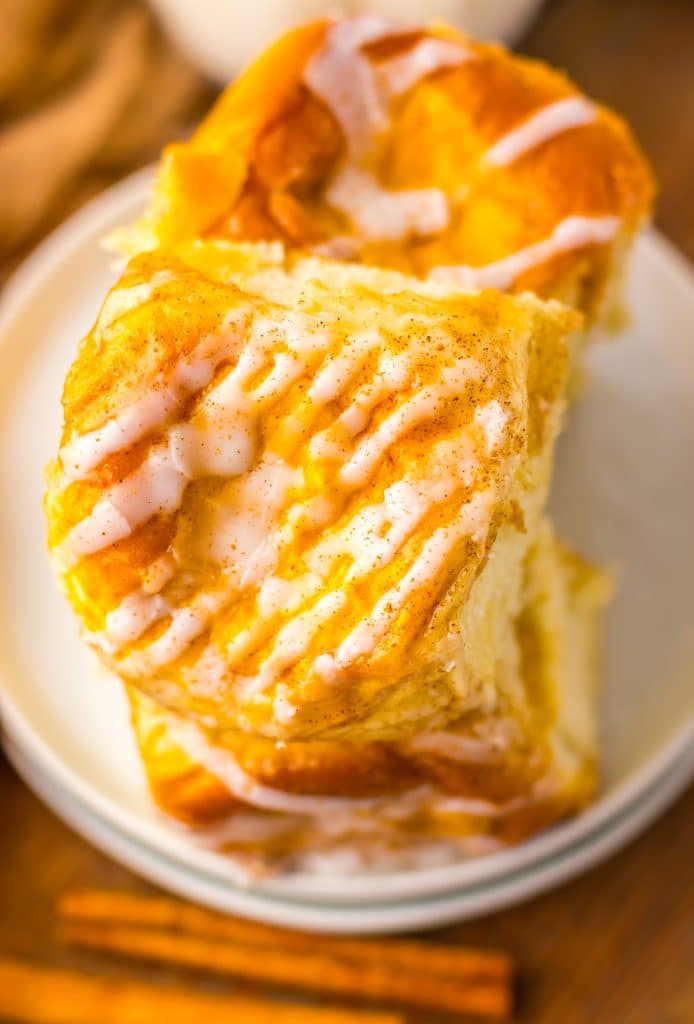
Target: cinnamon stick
x,y
169,914
316,971
43,995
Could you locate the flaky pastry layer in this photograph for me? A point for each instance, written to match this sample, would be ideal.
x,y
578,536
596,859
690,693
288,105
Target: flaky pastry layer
x,y
283,483
417,150
492,778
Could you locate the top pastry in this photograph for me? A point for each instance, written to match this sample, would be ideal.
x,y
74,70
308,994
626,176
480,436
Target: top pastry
x,y
415,150
279,480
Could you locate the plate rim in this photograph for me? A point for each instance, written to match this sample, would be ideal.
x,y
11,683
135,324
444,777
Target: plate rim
x,y
420,913
80,229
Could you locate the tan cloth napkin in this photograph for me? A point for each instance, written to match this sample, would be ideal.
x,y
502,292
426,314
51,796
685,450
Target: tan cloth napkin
x,y
89,89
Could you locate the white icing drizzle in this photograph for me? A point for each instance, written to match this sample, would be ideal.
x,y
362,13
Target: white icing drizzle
x,y
468,805
387,215
196,451
186,625
155,487
382,852
222,764
373,536
217,440
334,845
135,614
454,747
158,573
423,406
358,94
246,538
282,707
104,526
277,593
399,74
253,554
312,513
492,418
362,539
294,639
83,452
550,121
344,814
428,564
241,545
342,76
121,300
138,610
243,537
256,517
405,504
570,234
392,375
333,378
245,827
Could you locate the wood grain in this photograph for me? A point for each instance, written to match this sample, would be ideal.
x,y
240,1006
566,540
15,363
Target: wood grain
x,y
637,56
617,945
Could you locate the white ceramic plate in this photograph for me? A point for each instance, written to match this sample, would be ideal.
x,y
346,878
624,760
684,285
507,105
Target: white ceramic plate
x,y
406,914
624,492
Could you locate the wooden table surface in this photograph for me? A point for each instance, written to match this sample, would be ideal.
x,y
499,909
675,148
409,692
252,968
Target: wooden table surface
x,y
617,945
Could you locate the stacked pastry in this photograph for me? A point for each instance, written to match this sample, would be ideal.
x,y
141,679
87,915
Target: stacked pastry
x,y
299,500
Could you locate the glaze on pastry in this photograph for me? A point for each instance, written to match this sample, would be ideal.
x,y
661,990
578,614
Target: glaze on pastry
x,y
284,488
417,150
490,779
298,504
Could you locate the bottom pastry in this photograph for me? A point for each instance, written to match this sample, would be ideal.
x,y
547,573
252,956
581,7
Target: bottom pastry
x,y
504,770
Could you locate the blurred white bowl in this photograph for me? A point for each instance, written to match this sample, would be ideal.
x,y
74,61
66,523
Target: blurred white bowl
x,y
220,36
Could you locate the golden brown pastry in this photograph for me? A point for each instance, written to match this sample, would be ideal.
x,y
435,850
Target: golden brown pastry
x,y
298,502
492,778
294,497
418,150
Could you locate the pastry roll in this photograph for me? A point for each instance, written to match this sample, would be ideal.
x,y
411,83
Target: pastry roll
x,y
489,779
417,150
294,497
298,502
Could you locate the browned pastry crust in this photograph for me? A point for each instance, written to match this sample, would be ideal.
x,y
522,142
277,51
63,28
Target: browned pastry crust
x,y
523,185
261,164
